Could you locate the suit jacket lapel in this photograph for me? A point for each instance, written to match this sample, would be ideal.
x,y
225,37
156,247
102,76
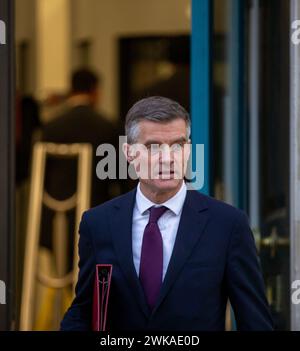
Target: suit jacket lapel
x,y
121,229
191,227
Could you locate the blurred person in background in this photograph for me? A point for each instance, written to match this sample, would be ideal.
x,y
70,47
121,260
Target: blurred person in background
x,y
80,123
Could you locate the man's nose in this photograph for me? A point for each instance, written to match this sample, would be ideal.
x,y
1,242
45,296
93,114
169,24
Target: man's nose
x,y
166,155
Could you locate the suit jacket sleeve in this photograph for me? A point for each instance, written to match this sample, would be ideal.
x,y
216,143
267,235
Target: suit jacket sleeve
x,y
79,315
244,280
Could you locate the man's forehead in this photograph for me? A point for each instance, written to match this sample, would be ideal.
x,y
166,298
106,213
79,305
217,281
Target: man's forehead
x,y
163,132
165,124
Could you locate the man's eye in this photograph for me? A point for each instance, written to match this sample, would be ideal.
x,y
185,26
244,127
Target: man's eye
x,y
153,147
177,147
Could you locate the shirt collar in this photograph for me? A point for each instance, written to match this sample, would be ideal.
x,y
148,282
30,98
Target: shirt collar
x,y
174,204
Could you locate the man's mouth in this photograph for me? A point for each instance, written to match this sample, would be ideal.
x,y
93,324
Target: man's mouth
x,y
166,174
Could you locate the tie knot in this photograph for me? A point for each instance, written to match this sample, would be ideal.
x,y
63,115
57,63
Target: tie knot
x,y
156,213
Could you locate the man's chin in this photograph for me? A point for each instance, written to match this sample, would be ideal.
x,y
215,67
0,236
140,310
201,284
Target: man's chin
x,y
166,184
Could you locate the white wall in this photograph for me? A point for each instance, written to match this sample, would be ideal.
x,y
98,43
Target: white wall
x,y
105,21
55,27
53,24
45,25
25,30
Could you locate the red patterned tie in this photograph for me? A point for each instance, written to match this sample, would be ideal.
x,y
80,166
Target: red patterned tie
x,y
151,266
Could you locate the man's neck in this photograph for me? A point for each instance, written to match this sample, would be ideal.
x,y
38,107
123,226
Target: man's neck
x,y
79,100
159,197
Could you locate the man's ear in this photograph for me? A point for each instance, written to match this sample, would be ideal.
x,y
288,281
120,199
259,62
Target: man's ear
x,y
187,148
126,151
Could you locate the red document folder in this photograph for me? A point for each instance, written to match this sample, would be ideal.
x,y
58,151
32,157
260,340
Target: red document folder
x,y
101,295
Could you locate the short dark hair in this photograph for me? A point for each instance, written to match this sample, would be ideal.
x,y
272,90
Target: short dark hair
x,y
84,80
155,109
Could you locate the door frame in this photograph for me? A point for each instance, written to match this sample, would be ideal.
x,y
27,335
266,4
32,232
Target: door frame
x,y
7,164
294,166
201,79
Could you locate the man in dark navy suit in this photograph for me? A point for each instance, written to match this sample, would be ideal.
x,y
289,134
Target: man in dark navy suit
x,y
177,255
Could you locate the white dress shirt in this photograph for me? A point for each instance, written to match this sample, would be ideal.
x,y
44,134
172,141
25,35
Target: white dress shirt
x,y
167,223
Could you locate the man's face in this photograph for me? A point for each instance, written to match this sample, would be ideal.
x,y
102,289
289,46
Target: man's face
x,y
163,155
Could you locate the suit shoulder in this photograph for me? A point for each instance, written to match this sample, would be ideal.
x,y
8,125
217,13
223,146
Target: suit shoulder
x,y
221,209
106,207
